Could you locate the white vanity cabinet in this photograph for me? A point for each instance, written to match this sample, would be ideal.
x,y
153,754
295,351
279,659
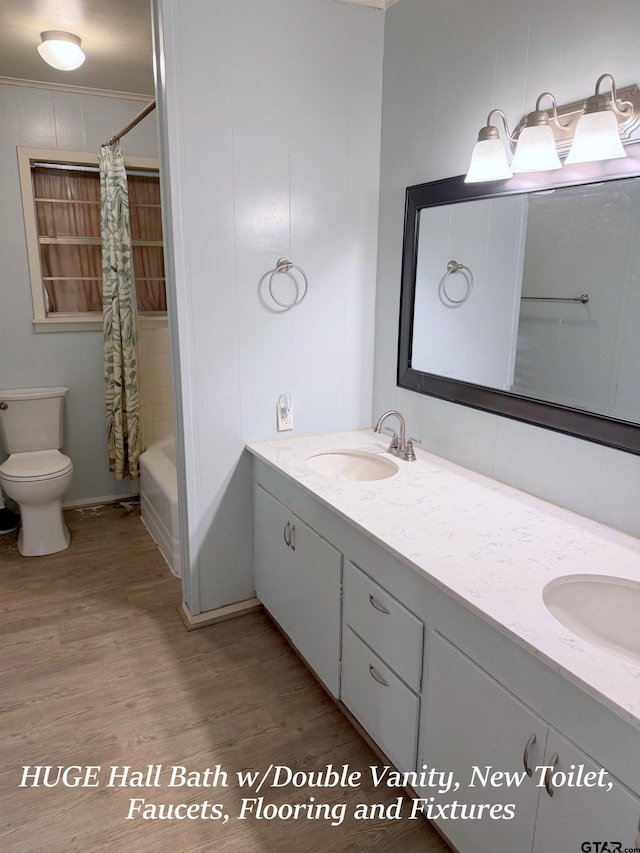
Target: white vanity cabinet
x,y
297,577
381,666
435,682
472,721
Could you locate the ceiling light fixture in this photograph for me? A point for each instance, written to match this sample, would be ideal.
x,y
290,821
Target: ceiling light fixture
x,y
61,50
590,130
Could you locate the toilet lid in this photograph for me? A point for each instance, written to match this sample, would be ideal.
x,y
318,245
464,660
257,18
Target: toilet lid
x,y
37,465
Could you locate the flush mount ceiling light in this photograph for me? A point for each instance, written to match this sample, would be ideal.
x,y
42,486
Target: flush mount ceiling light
x,y
61,50
592,129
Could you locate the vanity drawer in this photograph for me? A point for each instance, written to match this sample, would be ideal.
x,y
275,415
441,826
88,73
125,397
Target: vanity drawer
x,y
384,706
384,624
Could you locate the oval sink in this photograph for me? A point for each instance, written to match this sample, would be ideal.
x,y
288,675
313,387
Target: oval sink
x,y
602,610
352,465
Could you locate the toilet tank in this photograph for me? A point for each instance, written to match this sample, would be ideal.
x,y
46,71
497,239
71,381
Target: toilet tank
x,y
31,419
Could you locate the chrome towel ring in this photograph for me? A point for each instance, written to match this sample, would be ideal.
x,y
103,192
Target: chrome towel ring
x,y
453,267
284,265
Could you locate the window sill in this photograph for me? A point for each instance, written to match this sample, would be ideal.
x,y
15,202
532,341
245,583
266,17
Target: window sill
x,y
92,323
68,323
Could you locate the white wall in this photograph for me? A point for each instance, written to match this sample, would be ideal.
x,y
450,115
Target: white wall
x,y
44,118
447,63
570,351
488,238
270,137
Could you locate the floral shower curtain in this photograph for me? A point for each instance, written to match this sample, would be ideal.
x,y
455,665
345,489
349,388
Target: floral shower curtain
x,y
120,318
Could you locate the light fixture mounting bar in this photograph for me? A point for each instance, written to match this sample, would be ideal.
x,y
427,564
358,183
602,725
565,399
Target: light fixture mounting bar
x,y
569,114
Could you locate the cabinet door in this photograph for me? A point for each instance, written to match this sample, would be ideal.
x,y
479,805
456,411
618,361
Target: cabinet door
x,y
470,720
274,561
297,575
575,815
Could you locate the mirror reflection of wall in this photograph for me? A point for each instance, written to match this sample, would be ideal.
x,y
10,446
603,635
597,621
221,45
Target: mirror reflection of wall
x,y
474,340
559,244
582,240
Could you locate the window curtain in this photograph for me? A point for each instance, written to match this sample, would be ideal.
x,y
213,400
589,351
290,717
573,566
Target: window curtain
x,y
68,207
120,318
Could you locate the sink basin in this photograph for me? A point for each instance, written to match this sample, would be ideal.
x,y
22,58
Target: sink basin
x,y
352,465
602,610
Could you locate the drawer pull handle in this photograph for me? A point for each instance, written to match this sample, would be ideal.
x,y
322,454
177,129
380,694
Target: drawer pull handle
x,y
292,538
287,540
377,677
525,756
547,775
377,605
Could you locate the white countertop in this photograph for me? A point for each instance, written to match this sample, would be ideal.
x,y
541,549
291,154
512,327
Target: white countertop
x,y
488,545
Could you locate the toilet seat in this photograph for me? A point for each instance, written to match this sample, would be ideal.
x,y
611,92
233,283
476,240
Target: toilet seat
x,y
35,465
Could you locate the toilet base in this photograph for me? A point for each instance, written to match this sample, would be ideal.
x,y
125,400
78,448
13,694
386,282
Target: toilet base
x,y
42,530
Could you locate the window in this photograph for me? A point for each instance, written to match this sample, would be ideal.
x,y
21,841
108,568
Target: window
x,y
61,200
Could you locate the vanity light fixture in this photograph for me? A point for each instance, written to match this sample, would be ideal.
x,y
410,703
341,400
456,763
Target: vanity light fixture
x,y
589,130
597,136
61,50
489,159
536,146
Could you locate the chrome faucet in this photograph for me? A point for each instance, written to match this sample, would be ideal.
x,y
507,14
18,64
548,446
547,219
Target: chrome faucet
x,y
400,446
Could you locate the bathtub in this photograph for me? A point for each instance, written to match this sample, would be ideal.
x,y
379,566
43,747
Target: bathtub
x,y
159,499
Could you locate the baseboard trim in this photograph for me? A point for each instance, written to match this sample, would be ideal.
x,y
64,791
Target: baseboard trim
x,y
219,614
81,503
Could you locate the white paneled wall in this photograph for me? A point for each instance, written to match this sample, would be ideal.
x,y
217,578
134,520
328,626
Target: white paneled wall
x,y
447,63
270,130
43,118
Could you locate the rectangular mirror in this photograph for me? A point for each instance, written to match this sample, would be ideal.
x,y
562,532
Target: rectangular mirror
x,y
523,298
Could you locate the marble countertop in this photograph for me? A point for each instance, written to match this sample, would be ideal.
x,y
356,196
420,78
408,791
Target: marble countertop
x,y
489,546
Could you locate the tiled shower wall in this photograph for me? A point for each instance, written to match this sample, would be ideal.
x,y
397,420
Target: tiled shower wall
x,y
156,382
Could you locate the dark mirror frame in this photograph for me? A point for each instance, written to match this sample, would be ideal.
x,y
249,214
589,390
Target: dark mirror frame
x,y
623,435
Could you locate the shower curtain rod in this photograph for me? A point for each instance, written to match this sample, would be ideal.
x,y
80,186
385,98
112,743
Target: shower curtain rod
x,y
142,114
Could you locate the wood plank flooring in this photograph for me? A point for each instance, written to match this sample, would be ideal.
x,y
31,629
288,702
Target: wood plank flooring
x,y
97,669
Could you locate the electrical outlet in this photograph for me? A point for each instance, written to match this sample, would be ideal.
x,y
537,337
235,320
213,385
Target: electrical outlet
x,y
284,413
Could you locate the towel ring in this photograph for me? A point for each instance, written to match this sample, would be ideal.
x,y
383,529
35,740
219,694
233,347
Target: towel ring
x,y
453,267
284,265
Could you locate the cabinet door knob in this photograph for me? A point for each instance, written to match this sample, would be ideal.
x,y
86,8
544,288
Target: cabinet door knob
x,y
547,775
4,406
292,538
525,756
287,540
375,603
377,677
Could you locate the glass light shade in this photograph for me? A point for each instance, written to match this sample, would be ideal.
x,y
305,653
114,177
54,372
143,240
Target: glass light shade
x,y
488,162
61,50
596,138
536,150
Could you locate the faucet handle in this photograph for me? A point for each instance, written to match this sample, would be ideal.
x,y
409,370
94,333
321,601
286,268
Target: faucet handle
x,y
394,438
409,455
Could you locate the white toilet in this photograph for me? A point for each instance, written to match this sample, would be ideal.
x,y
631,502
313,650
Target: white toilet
x,y
36,474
